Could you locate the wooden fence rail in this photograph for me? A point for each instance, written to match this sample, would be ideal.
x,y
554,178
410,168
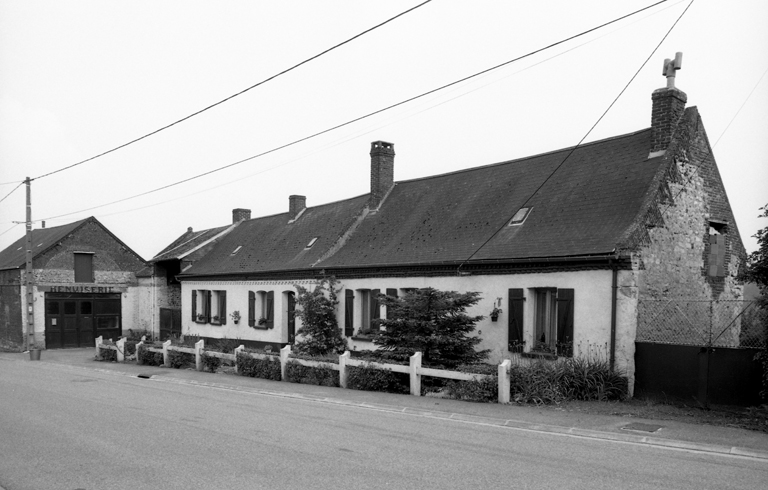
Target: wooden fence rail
x,y
414,368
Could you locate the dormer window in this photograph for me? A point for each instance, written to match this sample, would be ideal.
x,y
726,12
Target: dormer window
x,y
311,242
520,216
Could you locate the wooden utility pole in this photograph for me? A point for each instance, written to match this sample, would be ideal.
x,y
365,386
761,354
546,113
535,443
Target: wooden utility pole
x,y
30,340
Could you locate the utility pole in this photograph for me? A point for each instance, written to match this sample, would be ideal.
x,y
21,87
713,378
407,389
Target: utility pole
x,y
30,340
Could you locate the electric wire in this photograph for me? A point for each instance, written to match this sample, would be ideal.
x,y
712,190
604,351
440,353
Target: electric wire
x,y
237,94
504,224
740,108
370,114
12,191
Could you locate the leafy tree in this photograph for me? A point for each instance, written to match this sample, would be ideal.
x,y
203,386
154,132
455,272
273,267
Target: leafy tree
x,y
757,272
320,333
433,322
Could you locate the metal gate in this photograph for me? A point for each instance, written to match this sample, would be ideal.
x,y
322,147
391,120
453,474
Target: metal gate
x,y
699,349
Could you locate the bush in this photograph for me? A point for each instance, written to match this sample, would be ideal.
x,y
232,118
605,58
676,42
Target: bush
x,y
150,358
319,334
259,368
210,363
130,347
543,382
367,378
323,375
179,360
225,345
485,389
107,355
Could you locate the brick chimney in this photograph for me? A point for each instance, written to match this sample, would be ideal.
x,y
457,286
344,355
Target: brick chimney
x,y
296,204
382,171
668,107
240,214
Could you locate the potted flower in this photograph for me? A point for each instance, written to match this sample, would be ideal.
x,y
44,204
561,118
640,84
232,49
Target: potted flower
x,y
235,316
495,313
200,317
262,321
215,319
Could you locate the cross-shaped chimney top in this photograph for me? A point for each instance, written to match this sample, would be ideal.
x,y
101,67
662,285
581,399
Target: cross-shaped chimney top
x,y
670,67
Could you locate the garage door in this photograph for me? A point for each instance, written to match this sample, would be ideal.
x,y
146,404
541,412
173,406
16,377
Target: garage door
x,y
75,320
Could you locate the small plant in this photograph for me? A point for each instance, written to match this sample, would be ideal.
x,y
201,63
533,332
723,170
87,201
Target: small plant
x,y
200,317
211,363
215,319
179,360
235,316
262,321
149,358
107,355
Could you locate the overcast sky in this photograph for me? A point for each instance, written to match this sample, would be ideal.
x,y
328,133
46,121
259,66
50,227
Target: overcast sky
x,y
80,78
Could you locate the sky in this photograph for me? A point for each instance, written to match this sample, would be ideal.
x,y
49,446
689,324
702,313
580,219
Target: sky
x,y
79,78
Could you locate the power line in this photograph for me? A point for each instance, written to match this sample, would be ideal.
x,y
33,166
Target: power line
x,y
351,121
504,224
14,190
237,94
740,108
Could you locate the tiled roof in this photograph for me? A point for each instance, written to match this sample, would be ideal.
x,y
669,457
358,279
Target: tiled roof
x,y
583,208
583,202
187,243
14,256
273,244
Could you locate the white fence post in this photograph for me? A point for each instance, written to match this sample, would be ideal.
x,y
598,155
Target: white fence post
x,y
238,350
138,347
415,364
504,381
285,352
120,349
343,369
99,341
166,357
199,354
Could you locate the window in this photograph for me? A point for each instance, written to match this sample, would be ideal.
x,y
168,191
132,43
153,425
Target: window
x,y
218,308
715,263
201,301
261,309
553,321
83,267
370,311
520,216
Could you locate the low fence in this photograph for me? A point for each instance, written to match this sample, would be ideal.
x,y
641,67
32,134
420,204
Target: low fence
x,y
414,369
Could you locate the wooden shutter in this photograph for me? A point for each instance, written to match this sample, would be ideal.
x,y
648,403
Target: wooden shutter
x,y
208,306
194,305
565,316
251,308
349,312
270,309
83,267
392,293
375,310
515,318
223,307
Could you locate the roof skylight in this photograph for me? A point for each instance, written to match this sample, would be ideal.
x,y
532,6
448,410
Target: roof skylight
x,y
234,252
311,242
520,216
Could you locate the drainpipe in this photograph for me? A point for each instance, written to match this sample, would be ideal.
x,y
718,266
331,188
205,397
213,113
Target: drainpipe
x,y
614,297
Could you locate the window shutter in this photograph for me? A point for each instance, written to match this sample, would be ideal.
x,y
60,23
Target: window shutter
x,y
223,307
194,305
349,312
565,316
392,293
83,267
716,258
251,308
515,316
270,309
208,306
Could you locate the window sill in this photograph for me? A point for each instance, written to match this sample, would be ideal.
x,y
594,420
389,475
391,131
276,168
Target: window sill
x,y
260,327
201,322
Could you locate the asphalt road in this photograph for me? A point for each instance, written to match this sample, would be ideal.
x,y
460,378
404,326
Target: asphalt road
x,y
64,429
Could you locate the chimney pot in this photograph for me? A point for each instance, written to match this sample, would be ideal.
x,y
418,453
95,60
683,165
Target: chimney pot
x,y
240,214
296,204
189,229
382,171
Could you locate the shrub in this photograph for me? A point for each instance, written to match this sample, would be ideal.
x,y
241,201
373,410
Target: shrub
x,y
320,333
536,383
179,360
323,375
130,347
150,358
484,389
210,363
259,368
367,378
107,355
225,345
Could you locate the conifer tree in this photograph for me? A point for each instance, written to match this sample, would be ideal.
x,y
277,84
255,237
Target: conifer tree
x,y
434,323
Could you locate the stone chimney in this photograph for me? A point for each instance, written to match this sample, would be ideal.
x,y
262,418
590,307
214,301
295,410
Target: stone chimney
x,y
240,214
668,108
382,171
296,204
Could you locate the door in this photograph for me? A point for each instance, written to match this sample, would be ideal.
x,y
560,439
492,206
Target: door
x,y
170,323
75,320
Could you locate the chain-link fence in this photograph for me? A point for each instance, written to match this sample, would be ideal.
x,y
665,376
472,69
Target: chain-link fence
x,y
736,324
